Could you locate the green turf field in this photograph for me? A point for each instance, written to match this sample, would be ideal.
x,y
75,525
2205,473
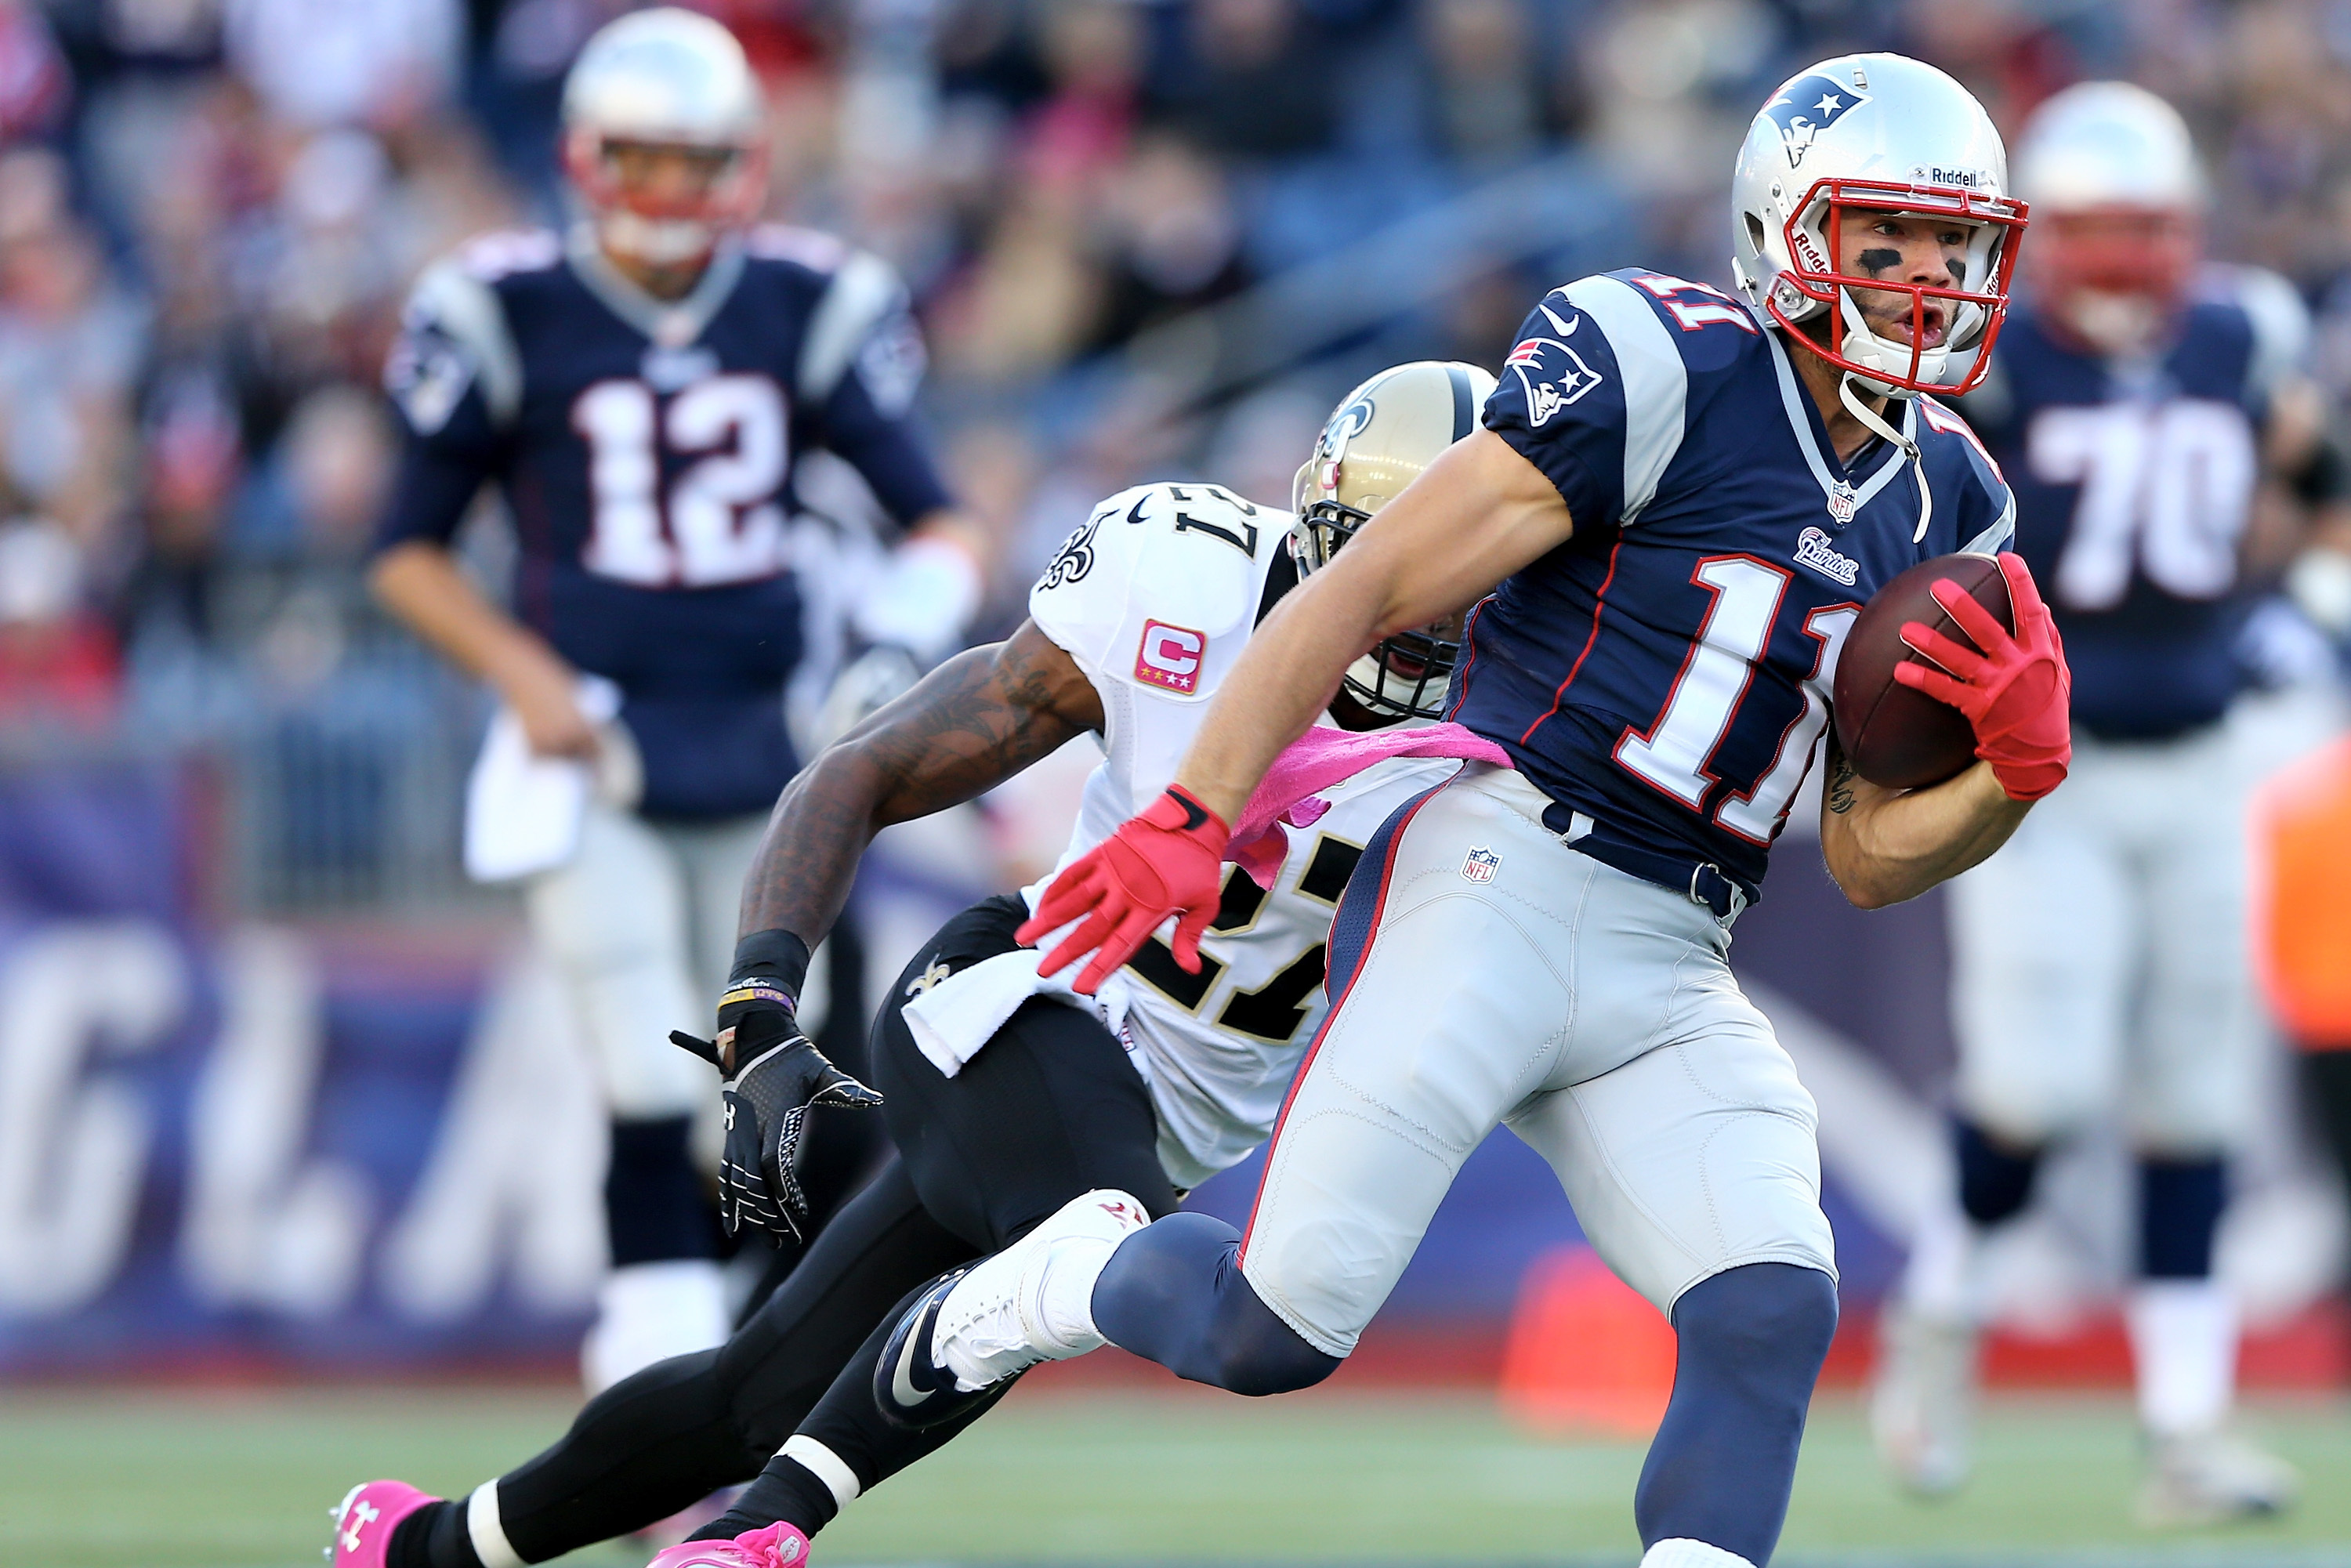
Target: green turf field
x,y
110,1480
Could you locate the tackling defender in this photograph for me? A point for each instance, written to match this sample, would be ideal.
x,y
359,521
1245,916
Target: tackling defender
x,y
640,389
1678,505
2144,405
1006,1095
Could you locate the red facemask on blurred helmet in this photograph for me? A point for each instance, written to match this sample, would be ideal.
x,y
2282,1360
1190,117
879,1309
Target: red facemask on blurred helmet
x,y
2112,174
664,135
2115,275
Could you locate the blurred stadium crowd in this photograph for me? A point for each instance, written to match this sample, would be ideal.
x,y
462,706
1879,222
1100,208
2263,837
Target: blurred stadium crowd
x,y
1143,237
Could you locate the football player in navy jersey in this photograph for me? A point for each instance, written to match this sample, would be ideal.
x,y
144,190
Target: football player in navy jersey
x,y
1678,503
2145,407
638,390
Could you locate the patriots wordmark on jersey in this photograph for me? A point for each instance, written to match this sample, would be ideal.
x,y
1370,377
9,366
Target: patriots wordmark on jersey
x,y
1664,676
1153,598
646,451
2134,480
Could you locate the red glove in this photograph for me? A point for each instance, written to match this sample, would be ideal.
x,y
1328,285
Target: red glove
x,y
2016,692
1170,860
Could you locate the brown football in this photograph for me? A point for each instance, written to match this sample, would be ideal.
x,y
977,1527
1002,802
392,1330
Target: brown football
x,y
1897,738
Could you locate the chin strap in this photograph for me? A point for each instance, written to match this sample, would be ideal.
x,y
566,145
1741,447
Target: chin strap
x,y
1877,426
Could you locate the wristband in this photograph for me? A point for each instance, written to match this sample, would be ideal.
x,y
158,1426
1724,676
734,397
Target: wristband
x,y
776,958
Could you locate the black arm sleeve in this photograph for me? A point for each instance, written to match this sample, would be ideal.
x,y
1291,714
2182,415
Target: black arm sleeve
x,y
2324,476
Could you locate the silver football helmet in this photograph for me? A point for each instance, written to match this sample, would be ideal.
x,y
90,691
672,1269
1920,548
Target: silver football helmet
x,y
1375,444
667,80
1879,133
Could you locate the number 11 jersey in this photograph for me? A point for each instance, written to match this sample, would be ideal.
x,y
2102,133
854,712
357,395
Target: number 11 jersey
x,y
646,450
1664,674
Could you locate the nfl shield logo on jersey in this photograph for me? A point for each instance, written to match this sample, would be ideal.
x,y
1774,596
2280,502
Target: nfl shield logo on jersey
x,y
1480,865
1553,374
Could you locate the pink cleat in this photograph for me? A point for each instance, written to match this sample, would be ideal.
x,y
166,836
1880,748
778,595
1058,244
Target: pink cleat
x,y
777,1546
366,1518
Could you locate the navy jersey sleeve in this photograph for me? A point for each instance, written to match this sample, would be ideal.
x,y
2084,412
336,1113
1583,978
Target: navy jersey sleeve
x,y
455,378
1561,405
858,370
886,446
1596,395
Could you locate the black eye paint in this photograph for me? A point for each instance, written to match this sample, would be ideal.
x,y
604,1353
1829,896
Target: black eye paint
x,y
1958,271
1875,262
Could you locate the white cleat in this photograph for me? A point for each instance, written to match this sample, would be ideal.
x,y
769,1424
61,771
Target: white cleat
x,y
2212,1477
995,1322
1922,1400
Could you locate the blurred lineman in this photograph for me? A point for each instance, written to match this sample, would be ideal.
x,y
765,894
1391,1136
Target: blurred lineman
x,y
2150,412
639,390
1008,1095
1678,505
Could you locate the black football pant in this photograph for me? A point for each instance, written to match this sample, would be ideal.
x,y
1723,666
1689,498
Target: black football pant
x,y
1049,1110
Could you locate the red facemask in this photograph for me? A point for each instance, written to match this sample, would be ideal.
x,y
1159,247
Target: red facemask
x,y
1999,220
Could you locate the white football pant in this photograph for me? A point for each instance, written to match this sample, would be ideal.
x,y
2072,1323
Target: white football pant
x,y
1591,1011
640,925
2100,959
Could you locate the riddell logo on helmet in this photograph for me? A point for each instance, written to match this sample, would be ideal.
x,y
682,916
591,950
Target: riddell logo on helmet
x,y
1170,657
1930,175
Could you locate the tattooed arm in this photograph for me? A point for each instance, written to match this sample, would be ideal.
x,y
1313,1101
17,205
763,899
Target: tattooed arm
x,y
1883,846
973,722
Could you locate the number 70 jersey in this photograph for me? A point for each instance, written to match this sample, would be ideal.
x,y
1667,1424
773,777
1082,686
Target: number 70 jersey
x,y
1153,598
1664,675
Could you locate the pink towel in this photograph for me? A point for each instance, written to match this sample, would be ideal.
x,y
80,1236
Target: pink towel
x,y
1320,758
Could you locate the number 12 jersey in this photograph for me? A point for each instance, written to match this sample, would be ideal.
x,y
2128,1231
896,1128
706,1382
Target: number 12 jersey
x,y
646,450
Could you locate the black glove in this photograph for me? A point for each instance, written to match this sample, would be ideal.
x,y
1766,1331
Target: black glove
x,y
779,1074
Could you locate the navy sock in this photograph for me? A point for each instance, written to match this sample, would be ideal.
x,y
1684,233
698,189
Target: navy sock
x,y
1994,1182
1174,1291
2179,1204
1753,1341
655,1207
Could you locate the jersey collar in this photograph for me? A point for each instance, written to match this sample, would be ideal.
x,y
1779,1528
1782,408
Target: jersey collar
x,y
1839,494
670,323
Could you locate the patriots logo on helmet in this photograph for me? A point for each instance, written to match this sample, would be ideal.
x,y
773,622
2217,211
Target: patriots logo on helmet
x,y
1553,375
1808,105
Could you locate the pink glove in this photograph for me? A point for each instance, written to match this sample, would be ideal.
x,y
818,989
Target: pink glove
x,y
2016,693
1170,860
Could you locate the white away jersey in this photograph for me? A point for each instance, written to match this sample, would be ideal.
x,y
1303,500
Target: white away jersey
x,y
1153,598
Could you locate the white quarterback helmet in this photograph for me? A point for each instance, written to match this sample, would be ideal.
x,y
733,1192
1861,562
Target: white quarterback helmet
x,y
2111,171
1375,442
665,80
1875,134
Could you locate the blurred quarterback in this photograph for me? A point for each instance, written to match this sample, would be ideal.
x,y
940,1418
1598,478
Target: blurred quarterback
x,y
639,388
2147,408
